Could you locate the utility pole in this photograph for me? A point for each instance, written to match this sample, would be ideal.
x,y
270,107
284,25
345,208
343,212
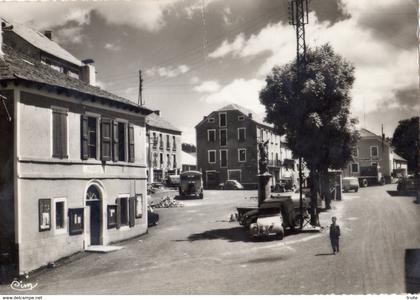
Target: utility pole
x,y
298,17
140,100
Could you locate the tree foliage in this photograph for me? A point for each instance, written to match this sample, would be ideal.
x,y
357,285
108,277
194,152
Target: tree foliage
x,y
189,148
316,123
405,140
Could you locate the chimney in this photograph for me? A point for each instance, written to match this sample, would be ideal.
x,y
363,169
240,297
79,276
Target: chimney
x,y
250,115
48,34
88,72
157,112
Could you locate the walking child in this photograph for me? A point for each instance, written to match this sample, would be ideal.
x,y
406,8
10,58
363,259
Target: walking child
x,y
335,235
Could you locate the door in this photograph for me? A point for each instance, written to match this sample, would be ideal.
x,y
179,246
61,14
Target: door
x,y
95,222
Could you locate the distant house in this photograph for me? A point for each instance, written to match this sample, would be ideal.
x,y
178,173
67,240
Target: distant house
x,y
373,150
189,161
227,148
164,148
72,156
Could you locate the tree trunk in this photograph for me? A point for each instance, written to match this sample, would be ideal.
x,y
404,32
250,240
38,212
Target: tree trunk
x,y
313,175
326,189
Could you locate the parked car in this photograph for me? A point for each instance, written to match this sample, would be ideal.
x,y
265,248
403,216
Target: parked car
x,y
407,184
282,186
152,216
350,183
231,185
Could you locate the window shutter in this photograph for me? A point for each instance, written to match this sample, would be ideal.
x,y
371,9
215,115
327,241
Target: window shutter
x,y
57,146
118,202
115,140
105,139
63,117
84,137
131,143
132,211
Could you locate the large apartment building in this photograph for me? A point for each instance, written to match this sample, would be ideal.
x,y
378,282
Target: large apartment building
x,y
227,148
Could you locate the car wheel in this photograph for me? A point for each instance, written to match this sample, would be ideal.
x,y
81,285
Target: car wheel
x,y
356,190
280,235
201,196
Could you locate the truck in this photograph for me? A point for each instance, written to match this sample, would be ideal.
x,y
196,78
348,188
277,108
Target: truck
x,y
370,175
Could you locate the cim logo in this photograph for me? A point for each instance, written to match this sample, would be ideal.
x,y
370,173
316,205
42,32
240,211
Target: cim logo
x,y
21,286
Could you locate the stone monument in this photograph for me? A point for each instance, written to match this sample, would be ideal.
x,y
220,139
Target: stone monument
x,y
264,177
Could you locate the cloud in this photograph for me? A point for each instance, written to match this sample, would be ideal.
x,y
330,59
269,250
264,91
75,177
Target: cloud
x,y
168,72
68,35
112,47
239,91
380,67
210,86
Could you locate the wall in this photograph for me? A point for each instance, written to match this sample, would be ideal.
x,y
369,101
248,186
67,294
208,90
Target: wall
x,y
8,258
41,176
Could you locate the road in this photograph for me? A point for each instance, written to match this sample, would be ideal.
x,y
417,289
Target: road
x,y
195,250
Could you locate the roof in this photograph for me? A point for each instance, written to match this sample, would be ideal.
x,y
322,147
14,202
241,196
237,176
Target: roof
x,y
255,117
188,159
156,121
366,133
40,41
15,66
397,157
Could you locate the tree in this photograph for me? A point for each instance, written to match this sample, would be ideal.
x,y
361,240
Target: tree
x,y
405,140
314,113
189,148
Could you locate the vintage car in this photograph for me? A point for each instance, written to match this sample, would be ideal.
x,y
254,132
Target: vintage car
x,y
350,183
407,184
191,184
231,185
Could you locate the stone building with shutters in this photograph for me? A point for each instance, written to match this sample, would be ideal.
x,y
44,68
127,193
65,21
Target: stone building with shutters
x,y
72,156
227,148
163,148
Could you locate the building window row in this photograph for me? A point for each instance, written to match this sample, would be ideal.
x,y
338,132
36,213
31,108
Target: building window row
x,y
211,135
106,139
159,141
211,157
170,163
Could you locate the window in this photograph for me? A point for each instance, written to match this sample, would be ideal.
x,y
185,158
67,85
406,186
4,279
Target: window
x,y
44,211
89,145
242,155
210,120
355,152
160,141
174,160
59,214
222,119
124,211
223,137
168,160
59,133
241,118
121,141
155,141
374,164
355,168
223,158
374,151
211,135
212,156
173,143
168,144
160,159
92,137
241,134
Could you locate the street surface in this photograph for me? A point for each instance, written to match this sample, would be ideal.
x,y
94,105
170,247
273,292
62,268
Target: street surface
x,y
195,250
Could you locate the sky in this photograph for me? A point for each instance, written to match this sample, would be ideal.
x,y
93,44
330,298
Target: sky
x,y
197,56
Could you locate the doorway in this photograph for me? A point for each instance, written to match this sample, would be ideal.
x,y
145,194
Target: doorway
x,y
93,201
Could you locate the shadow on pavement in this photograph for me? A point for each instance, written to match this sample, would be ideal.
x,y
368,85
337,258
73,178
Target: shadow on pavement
x,y
234,234
401,194
265,259
183,198
324,254
412,271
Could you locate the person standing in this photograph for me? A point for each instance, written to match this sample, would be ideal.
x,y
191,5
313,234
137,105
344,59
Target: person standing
x,y
335,235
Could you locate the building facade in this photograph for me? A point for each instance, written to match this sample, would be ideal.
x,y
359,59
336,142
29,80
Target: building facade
x,y
72,158
373,150
227,148
163,147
